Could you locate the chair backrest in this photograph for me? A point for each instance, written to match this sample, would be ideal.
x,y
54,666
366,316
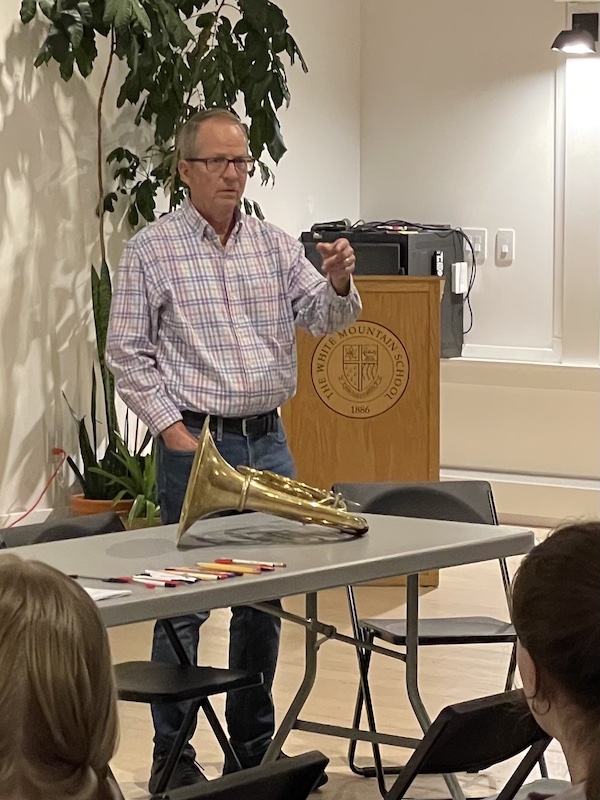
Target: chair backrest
x,y
472,736
454,501
285,779
56,530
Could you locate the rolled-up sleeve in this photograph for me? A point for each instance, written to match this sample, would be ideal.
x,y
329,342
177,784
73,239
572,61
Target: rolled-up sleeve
x,y
131,345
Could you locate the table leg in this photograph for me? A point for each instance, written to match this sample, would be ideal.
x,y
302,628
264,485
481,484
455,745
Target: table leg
x,y
310,672
412,667
412,651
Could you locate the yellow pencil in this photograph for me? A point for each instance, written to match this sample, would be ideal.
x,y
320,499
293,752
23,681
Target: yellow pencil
x,y
242,569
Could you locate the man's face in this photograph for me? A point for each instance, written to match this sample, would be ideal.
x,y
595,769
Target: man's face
x,y
216,194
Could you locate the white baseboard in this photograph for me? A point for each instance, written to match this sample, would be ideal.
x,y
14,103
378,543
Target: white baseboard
x,y
490,352
540,500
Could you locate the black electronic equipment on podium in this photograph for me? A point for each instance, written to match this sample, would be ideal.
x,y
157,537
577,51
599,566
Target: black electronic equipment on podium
x,y
404,252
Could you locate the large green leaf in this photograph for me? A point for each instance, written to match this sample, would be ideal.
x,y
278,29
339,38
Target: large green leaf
x,y
176,28
73,26
85,55
28,9
123,15
255,13
101,302
293,50
109,201
93,407
141,15
48,8
133,216
276,145
85,12
58,44
66,67
145,199
43,56
258,132
111,7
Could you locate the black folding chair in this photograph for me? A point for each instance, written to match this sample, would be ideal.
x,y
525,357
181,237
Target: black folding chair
x,y
286,779
456,501
473,736
158,682
55,530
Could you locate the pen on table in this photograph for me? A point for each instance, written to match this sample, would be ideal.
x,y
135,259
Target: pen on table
x,y
123,579
261,564
151,583
195,572
170,576
187,577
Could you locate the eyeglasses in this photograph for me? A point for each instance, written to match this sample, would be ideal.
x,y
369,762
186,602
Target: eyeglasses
x,y
245,166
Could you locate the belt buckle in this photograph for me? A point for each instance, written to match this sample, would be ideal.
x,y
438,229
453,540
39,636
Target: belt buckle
x,y
250,426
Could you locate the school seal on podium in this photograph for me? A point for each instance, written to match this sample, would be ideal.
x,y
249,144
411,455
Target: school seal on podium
x,y
361,371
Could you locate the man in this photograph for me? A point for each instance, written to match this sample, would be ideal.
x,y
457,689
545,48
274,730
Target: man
x,y
203,322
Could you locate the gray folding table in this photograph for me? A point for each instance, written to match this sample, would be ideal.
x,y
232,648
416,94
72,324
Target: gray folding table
x,y
316,558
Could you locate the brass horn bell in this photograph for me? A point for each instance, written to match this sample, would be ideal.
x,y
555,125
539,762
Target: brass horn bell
x,y
214,486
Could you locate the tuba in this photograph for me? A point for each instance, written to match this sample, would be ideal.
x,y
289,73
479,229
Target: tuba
x,y
214,486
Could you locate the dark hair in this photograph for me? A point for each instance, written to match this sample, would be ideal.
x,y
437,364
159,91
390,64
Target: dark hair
x,y
188,135
556,614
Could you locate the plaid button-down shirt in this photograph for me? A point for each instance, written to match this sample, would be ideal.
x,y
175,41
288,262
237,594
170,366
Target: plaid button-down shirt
x,y
205,327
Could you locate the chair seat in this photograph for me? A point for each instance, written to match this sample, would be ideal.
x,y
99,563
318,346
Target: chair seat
x,y
445,630
157,682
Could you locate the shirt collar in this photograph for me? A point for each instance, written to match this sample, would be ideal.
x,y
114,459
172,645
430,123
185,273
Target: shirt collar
x,y
199,225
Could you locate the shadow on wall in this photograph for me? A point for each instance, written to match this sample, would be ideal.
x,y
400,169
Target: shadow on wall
x,y
47,175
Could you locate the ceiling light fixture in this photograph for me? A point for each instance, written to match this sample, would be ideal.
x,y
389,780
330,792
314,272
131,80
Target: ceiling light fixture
x,y
581,40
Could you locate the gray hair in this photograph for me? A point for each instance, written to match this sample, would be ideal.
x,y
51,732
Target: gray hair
x,y
188,135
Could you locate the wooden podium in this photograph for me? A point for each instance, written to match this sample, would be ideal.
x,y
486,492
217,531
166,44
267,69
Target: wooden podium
x,y
367,405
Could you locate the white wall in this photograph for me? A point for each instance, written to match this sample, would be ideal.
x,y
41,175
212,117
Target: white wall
x,y
532,430
319,177
46,216
47,220
458,127
468,118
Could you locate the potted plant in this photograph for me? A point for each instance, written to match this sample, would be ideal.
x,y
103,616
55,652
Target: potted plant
x,y
177,57
124,477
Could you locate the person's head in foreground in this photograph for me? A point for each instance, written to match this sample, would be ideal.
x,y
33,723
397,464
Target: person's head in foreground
x,y
556,614
58,718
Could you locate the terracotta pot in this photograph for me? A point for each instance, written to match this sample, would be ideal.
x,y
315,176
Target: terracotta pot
x,y
81,505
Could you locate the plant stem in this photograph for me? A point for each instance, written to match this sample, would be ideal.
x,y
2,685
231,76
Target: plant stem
x,y
100,150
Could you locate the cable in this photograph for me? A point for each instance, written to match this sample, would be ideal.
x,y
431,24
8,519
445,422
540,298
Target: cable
x,y
473,276
443,231
56,451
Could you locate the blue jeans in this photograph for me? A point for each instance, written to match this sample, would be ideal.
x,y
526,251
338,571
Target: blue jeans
x,y
253,635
